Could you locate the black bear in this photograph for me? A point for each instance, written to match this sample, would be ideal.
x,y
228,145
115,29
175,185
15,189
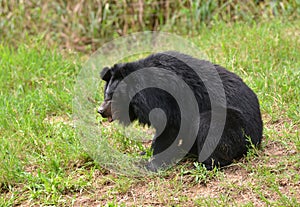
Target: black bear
x,y
242,124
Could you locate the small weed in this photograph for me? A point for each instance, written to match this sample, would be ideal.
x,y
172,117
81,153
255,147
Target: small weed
x,y
200,173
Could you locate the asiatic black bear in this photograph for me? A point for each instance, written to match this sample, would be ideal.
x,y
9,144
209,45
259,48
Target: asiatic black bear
x,y
243,118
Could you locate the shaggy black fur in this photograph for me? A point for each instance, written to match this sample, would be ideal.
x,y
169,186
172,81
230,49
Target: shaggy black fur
x,y
243,118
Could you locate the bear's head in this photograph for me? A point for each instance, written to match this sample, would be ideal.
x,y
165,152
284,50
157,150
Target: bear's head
x,y
105,107
112,76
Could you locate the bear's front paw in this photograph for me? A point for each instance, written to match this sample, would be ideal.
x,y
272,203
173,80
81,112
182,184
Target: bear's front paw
x,y
151,166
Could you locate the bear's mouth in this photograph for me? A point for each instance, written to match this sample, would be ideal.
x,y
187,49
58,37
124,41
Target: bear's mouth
x,y
110,119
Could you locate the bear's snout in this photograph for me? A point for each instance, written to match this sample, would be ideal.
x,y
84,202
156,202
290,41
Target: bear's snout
x,y
105,110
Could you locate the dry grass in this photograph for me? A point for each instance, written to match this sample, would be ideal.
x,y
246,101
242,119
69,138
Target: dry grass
x,y
85,25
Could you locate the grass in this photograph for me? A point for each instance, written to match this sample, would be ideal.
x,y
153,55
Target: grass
x,y
42,163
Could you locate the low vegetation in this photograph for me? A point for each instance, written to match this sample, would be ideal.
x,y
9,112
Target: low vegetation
x,y
85,25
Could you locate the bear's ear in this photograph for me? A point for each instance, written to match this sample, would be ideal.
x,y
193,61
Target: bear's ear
x,y
105,74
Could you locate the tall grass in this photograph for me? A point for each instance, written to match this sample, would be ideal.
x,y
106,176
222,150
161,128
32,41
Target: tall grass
x,y
84,25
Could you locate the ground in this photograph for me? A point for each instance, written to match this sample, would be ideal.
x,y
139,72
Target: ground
x,y
237,184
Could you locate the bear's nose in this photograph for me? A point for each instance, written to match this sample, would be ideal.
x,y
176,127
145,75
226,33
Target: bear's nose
x,y
101,110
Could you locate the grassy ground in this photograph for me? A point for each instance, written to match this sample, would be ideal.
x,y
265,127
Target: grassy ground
x,y
41,161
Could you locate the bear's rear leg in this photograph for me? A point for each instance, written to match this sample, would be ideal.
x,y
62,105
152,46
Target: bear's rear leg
x,y
231,145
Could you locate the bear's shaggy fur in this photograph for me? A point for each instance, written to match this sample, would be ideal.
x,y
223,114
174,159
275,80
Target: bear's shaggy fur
x,y
243,119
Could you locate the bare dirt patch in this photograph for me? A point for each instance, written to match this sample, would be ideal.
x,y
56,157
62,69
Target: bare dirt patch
x,y
53,119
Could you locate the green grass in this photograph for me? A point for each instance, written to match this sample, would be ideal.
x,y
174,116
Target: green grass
x,y
42,163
